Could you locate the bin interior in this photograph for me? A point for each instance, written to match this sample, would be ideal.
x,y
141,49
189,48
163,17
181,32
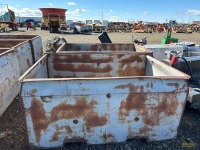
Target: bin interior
x,y
2,50
10,43
17,36
100,47
100,65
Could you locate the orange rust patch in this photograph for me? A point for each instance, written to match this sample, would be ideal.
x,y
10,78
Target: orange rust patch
x,y
64,111
169,104
38,116
54,137
82,68
69,130
176,85
80,58
93,120
131,71
120,55
69,111
133,58
94,47
134,100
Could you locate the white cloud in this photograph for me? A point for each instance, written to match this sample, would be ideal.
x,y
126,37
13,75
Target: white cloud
x,y
71,3
111,10
50,4
114,18
144,13
126,13
193,12
24,12
75,14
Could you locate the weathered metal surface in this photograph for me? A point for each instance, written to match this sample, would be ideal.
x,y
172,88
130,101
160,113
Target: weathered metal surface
x,y
99,47
99,108
16,57
159,50
97,64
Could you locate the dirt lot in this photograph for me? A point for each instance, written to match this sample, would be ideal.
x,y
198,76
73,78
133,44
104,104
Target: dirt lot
x,y
12,123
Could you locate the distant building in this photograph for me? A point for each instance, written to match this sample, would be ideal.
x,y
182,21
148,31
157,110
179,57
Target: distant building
x,y
196,22
22,19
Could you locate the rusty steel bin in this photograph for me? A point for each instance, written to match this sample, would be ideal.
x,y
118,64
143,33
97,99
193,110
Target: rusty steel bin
x,y
101,97
17,54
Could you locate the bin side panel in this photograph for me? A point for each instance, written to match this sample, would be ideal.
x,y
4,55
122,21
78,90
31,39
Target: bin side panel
x,y
97,47
39,70
37,47
96,65
102,111
9,74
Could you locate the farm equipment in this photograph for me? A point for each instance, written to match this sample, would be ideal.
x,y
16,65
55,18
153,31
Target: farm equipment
x,y
82,28
7,20
53,19
169,39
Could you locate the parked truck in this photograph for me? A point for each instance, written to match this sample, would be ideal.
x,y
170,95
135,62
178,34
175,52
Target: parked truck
x,y
53,19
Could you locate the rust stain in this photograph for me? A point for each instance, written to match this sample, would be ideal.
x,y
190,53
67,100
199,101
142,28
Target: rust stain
x,y
65,111
80,58
57,127
68,111
133,58
131,71
40,121
69,130
82,68
54,137
91,75
176,85
93,120
112,47
169,104
120,56
94,47
134,100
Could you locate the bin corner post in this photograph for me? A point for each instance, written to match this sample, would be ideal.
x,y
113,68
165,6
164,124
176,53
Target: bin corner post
x,y
32,51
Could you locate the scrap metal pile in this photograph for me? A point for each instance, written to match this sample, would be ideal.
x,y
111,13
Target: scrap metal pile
x,y
119,27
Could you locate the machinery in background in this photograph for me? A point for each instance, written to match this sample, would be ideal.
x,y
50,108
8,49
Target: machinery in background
x,y
53,19
169,39
96,26
7,19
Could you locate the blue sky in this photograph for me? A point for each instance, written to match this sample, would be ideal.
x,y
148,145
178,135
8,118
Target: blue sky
x,y
124,10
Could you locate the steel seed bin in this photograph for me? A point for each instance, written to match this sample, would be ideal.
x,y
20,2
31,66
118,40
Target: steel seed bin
x,y
101,97
17,55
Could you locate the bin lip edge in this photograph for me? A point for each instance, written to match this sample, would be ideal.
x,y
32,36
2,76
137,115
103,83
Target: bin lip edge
x,y
107,78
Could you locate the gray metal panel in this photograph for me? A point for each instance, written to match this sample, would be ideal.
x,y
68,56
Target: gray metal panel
x,y
14,62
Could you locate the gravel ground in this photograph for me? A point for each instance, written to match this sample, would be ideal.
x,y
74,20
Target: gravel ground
x,y
12,122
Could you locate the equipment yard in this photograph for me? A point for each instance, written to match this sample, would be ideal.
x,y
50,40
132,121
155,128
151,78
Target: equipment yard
x,y
13,129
